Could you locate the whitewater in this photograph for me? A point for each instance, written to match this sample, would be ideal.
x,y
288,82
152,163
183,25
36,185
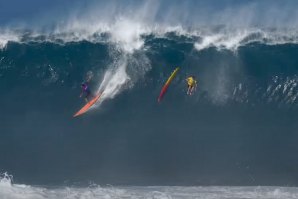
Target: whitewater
x,y
11,191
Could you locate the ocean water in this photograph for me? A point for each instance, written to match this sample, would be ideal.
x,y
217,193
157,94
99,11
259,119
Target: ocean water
x,y
236,137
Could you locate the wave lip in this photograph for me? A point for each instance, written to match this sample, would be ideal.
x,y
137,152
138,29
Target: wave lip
x,y
129,34
233,39
230,40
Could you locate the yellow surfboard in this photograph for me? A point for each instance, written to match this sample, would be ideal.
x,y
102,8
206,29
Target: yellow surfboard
x,y
166,85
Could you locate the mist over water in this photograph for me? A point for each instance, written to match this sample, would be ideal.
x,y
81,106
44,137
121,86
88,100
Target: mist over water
x,y
245,13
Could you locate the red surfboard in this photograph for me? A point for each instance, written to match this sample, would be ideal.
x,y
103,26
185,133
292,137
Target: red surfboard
x,y
87,106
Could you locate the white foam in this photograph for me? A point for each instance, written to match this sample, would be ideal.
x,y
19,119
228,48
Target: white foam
x,y
125,22
114,80
122,73
9,190
127,34
207,42
228,39
8,36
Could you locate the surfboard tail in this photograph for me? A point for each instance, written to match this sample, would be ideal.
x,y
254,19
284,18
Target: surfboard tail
x,y
87,106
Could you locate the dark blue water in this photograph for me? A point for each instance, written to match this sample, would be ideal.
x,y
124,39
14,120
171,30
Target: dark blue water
x,y
239,128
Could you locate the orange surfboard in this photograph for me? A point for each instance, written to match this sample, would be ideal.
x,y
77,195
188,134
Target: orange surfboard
x,y
87,106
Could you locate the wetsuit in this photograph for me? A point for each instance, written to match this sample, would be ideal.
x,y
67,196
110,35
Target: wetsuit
x,y
86,90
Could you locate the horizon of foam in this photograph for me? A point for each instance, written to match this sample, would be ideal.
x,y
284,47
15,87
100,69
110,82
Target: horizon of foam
x,y
128,35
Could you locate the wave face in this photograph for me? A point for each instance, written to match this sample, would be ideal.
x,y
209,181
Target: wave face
x,y
239,128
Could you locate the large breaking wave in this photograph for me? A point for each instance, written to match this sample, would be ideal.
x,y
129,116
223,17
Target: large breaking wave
x,y
130,44
238,129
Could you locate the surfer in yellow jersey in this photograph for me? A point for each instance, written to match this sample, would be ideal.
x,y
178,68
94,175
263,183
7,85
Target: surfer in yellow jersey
x,y
191,85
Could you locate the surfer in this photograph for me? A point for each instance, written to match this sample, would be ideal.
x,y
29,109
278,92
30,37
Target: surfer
x,y
191,85
85,87
90,97
86,91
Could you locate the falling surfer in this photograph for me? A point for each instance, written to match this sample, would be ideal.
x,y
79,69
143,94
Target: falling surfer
x,y
191,85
